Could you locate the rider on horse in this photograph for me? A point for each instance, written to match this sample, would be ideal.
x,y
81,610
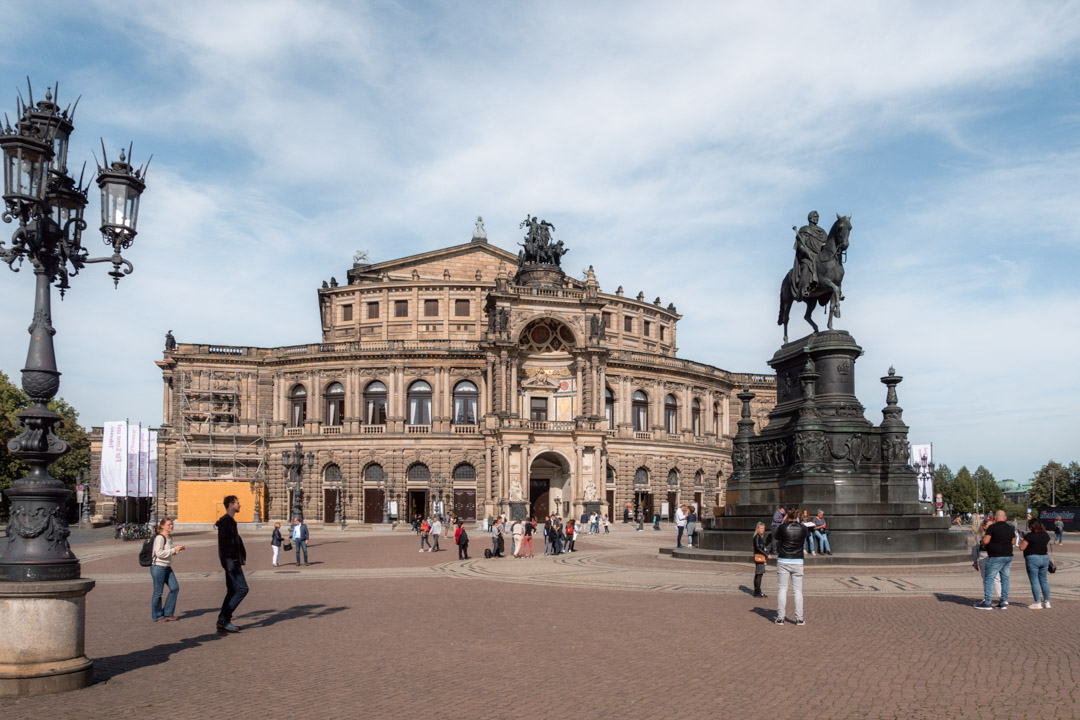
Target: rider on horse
x,y
809,242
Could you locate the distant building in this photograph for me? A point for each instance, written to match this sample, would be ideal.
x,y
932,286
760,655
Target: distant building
x,y
448,380
1016,491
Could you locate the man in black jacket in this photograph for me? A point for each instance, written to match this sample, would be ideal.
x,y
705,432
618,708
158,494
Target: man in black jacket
x,y
789,539
232,556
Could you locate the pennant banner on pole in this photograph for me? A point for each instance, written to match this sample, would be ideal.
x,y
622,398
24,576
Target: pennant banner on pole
x,y
152,465
133,461
113,474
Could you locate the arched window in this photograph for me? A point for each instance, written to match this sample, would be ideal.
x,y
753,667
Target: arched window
x,y
332,475
609,408
465,400
673,478
716,419
641,478
640,411
418,473
465,473
610,476
671,414
375,404
546,336
695,417
373,474
419,409
297,406
699,478
335,403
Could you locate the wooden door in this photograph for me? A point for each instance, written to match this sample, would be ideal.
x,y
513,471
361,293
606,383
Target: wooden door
x,y
671,500
465,505
330,496
373,505
539,498
611,505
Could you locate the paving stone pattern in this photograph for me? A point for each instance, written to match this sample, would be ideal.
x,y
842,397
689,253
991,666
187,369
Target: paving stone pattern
x,y
374,629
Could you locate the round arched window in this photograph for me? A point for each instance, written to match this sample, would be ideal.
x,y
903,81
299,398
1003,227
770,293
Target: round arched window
x,y
639,407
671,414
334,398
375,403
297,406
419,403
466,397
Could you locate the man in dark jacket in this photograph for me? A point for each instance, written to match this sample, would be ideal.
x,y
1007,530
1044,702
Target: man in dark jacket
x,y
789,539
232,556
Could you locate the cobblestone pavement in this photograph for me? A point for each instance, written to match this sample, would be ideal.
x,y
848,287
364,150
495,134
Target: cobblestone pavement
x,y
372,628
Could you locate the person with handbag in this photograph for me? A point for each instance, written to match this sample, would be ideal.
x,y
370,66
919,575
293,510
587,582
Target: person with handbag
x,y
1036,549
761,557
275,543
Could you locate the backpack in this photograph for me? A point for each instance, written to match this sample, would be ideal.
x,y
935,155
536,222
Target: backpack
x,y
146,554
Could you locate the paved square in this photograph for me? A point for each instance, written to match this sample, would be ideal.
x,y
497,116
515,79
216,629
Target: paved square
x,y
375,629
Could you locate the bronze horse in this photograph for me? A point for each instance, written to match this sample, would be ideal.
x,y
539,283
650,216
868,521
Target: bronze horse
x,y
830,273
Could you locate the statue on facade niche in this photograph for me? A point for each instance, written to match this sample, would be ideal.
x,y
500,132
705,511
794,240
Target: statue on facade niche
x,y
170,341
516,495
504,320
478,232
818,272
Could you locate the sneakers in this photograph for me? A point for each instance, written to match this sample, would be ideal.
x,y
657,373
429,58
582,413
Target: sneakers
x,y
1035,606
1002,606
1046,605
984,606
779,620
227,628
800,621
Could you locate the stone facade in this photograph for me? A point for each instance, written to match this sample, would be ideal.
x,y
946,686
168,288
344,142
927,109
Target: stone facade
x,y
442,378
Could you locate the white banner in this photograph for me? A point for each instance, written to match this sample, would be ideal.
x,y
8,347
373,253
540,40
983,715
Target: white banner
x,y
143,485
921,458
113,473
133,460
152,465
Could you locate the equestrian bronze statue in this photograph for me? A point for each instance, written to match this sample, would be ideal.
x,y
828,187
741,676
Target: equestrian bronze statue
x,y
818,272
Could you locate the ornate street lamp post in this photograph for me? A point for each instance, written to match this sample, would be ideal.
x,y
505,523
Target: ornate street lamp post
x,y
294,468
386,487
39,575
48,206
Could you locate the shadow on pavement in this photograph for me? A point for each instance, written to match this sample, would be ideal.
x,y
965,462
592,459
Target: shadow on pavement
x,y
767,613
954,599
106,668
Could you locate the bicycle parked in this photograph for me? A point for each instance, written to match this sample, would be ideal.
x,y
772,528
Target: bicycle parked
x,y
133,531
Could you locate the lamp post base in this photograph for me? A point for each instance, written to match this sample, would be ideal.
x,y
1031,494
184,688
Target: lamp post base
x,y
44,629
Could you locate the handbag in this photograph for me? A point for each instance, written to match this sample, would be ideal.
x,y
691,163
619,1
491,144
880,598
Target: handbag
x,y
759,558
287,546
1052,566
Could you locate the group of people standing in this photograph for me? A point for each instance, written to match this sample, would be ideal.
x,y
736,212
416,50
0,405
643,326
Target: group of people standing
x,y
992,556
559,536
299,540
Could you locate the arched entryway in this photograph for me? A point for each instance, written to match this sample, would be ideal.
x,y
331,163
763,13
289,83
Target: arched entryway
x,y
549,485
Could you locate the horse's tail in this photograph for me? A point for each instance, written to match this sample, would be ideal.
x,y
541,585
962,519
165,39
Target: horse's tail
x,y
786,297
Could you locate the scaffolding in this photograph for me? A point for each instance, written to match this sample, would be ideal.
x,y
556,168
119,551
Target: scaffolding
x,y
218,443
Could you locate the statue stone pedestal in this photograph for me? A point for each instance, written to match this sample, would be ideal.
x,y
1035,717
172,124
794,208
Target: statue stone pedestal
x,y
518,509
43,626
819,452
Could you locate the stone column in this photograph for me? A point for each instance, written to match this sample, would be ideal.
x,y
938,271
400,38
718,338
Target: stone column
x,y
579,365
514,400
502,405
490,399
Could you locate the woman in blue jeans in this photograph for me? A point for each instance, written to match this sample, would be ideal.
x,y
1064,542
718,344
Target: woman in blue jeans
x,y
161,571
1036,548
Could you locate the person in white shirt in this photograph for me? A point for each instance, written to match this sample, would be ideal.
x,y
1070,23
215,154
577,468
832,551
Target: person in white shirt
x,y
436,531
680,524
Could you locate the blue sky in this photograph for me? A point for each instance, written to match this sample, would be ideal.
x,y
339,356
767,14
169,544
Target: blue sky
x,y
672,144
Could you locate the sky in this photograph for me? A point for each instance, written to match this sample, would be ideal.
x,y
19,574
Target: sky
x,y
673,145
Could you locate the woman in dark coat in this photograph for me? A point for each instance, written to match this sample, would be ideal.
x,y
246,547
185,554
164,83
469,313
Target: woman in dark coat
x,y
761,548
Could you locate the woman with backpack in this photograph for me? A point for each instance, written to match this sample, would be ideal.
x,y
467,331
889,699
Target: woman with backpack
x,y
161,571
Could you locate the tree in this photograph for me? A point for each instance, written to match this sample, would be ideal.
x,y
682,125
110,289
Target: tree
x,y
943,483
68,468
963,491
989,492
1056,483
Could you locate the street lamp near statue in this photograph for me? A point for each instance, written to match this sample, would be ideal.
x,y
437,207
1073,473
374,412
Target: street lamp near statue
x,y
47,205
293,462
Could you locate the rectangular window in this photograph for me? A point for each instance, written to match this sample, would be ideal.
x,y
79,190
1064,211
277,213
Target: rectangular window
x,y
373,311
538,408
646,327
628,324
607,319
431,308
461,308
346,313
401,308
662,329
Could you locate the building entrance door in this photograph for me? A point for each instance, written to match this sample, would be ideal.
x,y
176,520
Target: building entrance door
x,y
672,499
330,496
644,501
417,503
373,505
465,505
539,498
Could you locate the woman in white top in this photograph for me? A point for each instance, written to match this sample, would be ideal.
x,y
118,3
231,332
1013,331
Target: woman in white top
x,y
161,571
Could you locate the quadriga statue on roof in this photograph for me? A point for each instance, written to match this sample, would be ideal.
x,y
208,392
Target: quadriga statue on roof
x,y
538,247
818,272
